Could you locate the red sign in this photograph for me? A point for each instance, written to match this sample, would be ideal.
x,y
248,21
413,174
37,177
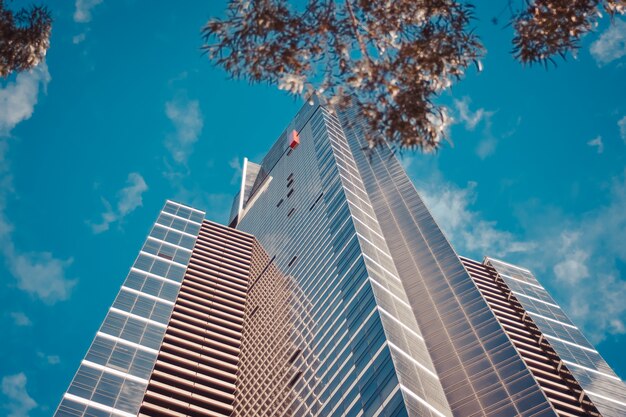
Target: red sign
x,y
295,139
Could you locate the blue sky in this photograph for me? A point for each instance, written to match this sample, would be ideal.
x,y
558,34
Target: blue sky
x,y
126,112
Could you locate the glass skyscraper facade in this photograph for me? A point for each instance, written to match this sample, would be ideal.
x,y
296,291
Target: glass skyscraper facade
x,y
113,377
332,293
565,364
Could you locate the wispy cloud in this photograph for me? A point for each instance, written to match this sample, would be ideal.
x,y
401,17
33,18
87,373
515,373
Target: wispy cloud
x,y
622,128
53,359
129,198
42,275
471,119
37,273
487,146
20,403
20,319
236,164
586,257
19,97
611,45
216,205
82,13
79,38
597,143
451,207
50,359
187,119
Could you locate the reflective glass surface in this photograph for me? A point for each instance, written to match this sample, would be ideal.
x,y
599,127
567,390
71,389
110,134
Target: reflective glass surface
x,y
477,365
113,377
328,329
594,375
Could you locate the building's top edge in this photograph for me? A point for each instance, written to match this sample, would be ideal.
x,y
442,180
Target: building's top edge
x,y
273,155
185,205
468,258
232,229
296,123
490,259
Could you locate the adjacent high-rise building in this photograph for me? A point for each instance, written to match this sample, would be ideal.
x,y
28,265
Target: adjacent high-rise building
x,y
332,292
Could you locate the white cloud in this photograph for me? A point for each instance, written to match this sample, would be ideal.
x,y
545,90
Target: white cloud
x,y
50,359
486,147
597,143
235,164
18,98
188,122
79,38
611,45
20,403
617,326
42,275
593,289
38,273
82,13
406,161
471,119
572,268
581,257
451,207
129,198
108,217
622,128
20,319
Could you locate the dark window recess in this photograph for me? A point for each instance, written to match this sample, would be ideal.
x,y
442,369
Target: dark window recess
x,y
294,355
292,260
253,311
279,203
289,151
316,201
233,224
162,255
290,183
290,177
289,193
291,212
294,379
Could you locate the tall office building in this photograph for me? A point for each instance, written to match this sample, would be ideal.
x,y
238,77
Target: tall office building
x,y
332,293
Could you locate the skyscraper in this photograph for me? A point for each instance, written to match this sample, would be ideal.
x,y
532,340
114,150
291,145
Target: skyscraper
x,y
333,293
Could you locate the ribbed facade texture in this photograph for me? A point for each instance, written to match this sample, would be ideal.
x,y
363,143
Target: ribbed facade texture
x,y
332,293
571,372
196,368
560,387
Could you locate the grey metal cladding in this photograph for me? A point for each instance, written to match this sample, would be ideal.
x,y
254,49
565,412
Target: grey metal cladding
x,y
342,363
478,366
